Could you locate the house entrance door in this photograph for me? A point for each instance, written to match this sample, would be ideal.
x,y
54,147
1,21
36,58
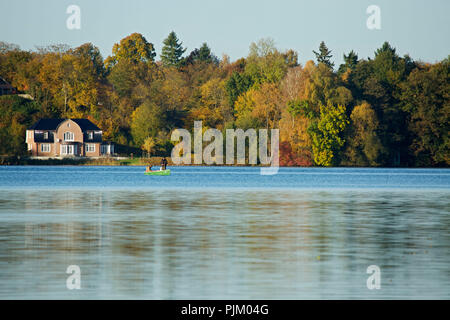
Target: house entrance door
x,y
68,149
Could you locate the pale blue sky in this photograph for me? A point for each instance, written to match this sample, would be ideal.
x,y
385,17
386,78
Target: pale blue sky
x,y
418,27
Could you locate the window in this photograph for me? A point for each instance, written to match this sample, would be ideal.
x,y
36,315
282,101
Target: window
x,y
46,135
68,136
91,135
107,149
90,147
45,147
67,149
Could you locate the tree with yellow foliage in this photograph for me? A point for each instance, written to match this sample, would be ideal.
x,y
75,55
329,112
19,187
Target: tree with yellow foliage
x,y
149,145
212,109
327,134
363,144
268,104
134,48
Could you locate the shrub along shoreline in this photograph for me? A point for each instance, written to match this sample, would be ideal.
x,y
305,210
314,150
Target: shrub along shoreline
x,y
120,161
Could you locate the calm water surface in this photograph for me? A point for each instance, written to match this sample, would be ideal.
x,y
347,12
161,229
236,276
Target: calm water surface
x,y
224,233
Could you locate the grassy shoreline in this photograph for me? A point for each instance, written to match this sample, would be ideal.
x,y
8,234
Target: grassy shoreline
x,y
124,161
119,161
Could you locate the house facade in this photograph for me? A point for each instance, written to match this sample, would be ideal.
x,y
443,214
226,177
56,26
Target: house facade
x,y
66,138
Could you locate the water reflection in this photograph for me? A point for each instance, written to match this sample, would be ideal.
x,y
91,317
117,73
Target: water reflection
x,y
224,244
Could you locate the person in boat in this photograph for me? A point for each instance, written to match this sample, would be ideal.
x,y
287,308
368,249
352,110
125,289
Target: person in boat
x,y
163,163
148,168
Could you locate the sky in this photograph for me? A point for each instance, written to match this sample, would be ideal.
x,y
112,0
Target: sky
x,y
420,28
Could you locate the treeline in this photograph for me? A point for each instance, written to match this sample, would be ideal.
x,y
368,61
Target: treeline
x,y
386,110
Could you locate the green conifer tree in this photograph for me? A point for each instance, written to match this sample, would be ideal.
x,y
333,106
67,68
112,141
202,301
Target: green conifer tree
x,y
324,55
172,50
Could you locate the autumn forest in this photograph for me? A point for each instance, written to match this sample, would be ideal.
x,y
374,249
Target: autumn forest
x,y
384,110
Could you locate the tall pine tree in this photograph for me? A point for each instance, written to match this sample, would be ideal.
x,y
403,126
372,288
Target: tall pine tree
x,y
324,55
172,50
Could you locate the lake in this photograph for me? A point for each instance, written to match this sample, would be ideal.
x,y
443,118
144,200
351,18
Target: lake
x,y
224,233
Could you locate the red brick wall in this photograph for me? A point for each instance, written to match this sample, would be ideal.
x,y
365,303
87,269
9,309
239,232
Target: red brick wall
x,y
69,126
55,148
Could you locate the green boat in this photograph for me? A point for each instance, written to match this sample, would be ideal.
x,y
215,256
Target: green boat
x,y
159,173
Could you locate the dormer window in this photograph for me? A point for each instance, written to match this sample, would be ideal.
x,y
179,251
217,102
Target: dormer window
x,y
46,135
91,135
68,136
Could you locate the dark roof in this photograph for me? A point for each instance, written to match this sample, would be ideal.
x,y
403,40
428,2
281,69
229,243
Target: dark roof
x,y
46,124
5,83
52,124
85,124
39,137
